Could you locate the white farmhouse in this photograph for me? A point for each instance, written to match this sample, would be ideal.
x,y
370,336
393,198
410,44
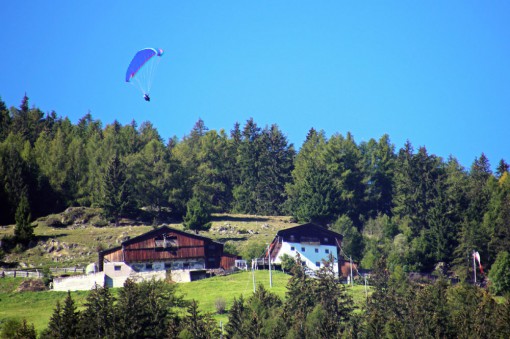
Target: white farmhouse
x,y
313,243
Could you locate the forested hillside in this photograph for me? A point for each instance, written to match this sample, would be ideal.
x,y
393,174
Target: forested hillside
x,y
413,207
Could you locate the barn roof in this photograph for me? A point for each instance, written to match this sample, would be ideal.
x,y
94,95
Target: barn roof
x,y
164,229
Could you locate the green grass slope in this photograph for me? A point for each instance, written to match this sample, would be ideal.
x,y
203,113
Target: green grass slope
x,y
37,307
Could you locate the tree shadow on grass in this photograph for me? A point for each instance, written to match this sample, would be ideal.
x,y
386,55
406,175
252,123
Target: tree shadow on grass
x,y
240,218
38,238
225,239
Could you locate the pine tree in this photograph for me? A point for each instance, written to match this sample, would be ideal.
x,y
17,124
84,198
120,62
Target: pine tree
x,y
311,195
25,331
276,163
333,314
198,217
236,315
503,167
24,231
129,308
300,299
378,161
115,189
97,320
55,327
70,318
245,193
5,120
200,326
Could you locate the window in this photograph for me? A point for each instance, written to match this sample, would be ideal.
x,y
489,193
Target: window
x,y
327,251
292,248
303,249
326,239
117,267
316,250
318,263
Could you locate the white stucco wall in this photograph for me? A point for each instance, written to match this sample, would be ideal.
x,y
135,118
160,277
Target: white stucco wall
x,y
79,282
115,274
308,254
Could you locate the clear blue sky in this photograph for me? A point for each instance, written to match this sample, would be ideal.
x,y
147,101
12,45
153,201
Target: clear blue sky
x,y
434,72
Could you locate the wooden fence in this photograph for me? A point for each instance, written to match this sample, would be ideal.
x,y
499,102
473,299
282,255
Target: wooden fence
x,y
39,273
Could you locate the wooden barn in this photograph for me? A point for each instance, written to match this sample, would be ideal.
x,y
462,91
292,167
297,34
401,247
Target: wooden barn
x,y
162,251
314,243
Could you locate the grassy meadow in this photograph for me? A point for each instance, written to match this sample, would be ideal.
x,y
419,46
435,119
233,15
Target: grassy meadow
x,y
37,307
77,240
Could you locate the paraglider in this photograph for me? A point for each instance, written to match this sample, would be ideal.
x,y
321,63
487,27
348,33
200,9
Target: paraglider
x,y
142,68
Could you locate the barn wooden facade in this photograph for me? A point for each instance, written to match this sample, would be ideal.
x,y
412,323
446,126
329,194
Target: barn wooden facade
x,y
168,246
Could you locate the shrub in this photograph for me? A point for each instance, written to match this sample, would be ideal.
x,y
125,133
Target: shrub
x,y
97,221
220,305
54,221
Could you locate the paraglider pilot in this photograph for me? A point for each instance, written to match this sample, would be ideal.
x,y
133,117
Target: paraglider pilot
x,y
147,97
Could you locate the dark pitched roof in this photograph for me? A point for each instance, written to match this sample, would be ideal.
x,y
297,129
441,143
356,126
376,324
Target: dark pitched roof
x,y
309,228
164,229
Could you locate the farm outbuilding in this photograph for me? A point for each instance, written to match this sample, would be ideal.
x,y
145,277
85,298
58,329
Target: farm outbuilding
x,y
163,253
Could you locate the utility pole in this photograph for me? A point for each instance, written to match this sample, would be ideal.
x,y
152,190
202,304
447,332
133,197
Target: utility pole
x,y
352,282
253,271
270,273
474,266
366,292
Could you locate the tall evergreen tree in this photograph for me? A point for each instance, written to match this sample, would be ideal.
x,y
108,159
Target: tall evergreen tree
x,y
378,167
300,299
311,195
5,120
198,325
276,163
115,191
343,164
503,167
246,195
64,321
198,216
236,314
97,320
24,231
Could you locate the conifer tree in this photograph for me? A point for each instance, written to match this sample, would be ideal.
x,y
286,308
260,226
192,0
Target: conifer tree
x,y
24,231
25,331
199,325
236,316
55,327
335,304
300,299
98,319
198,216
70,318
115,191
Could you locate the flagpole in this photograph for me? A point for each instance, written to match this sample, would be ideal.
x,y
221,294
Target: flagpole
x,y
474,266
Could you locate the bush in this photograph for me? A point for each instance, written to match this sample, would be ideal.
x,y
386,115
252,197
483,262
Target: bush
x,y
54,221
220,305
97,221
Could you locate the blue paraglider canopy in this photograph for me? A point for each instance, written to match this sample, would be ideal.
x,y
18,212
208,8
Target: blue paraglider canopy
x,y
142,68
